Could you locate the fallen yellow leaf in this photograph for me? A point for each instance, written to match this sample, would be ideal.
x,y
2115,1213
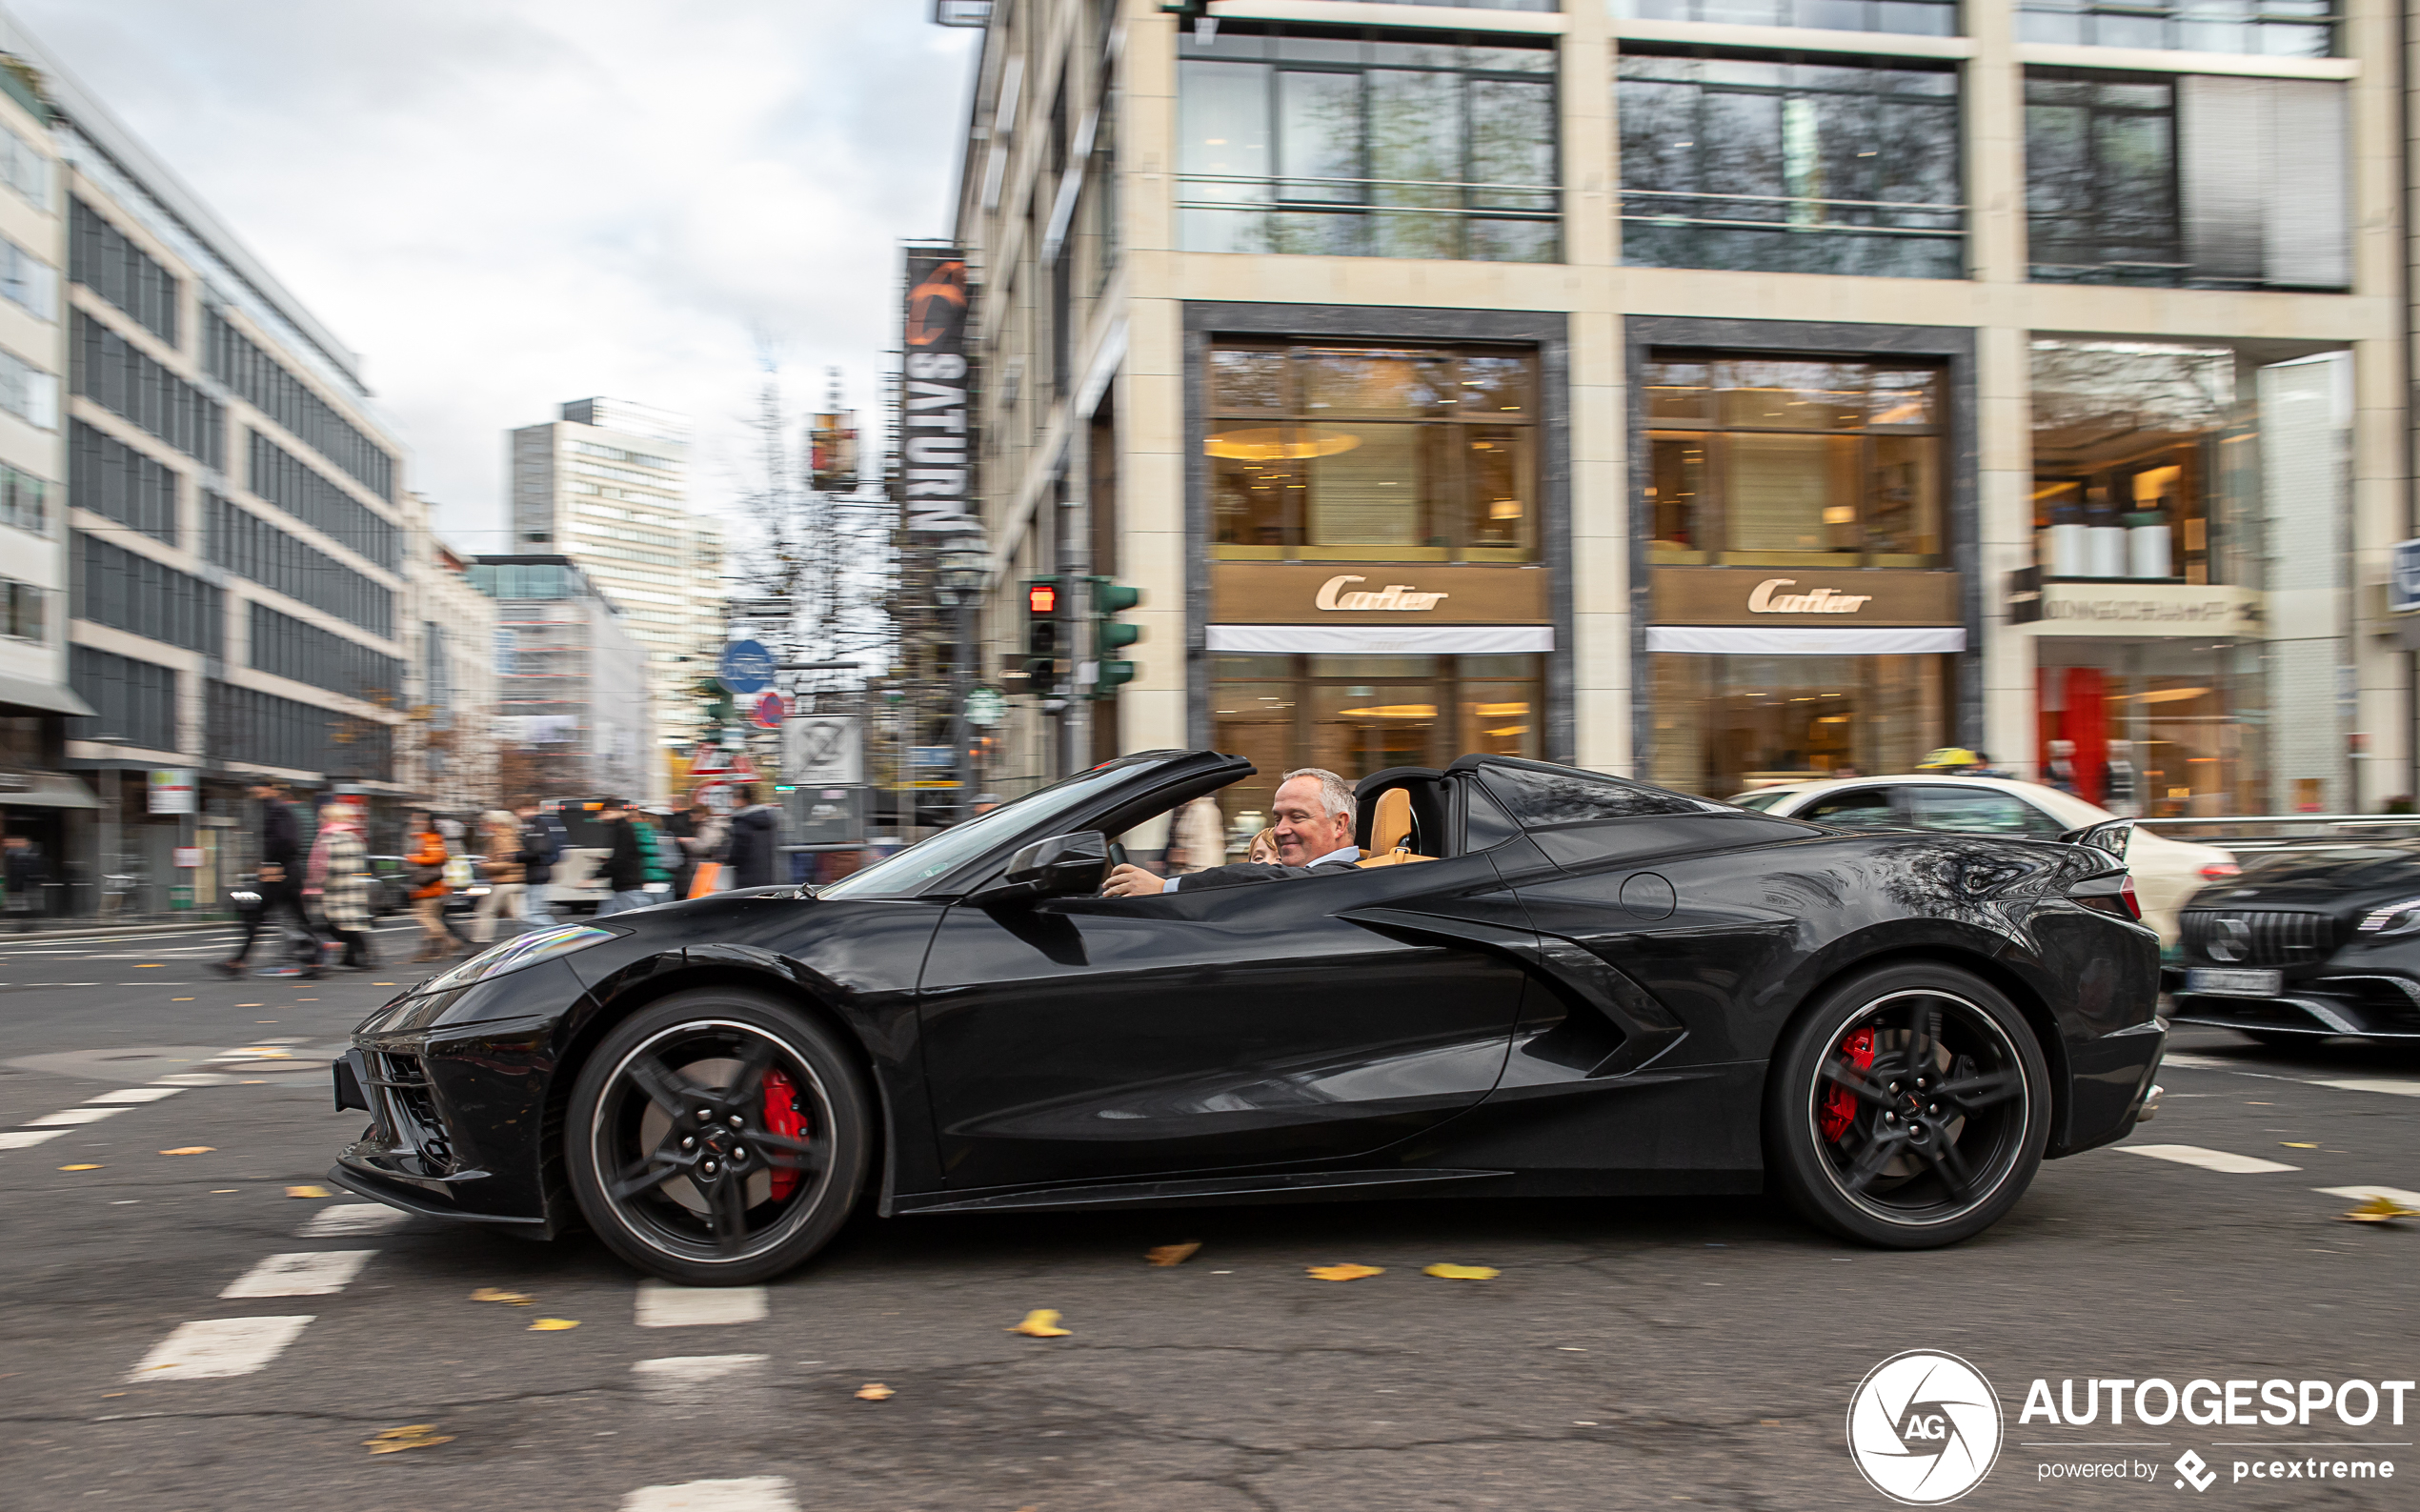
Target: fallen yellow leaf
x,y
874,1391
2292,1144
79,1168
190,1149
2379,1210
490,1294
554,1326
1042,1323
1344,1273
1461,1273
309,1191
1172,1254
417,1436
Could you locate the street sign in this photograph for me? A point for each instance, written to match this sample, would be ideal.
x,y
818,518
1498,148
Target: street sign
x,y
821,749
770,709
747,667
2403,577
173,791
820,815
985,707
932,755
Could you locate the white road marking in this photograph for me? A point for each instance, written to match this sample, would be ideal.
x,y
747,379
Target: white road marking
x,y
2363,1193
217,1347
317,1272
135,1095
2195,1062
69,1118
2401,1089
191,1078
663,1305
351,1218
27,1139
755,1493
2208,1160
694,1370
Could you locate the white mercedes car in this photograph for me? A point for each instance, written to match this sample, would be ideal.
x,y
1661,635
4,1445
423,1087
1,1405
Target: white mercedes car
x,y
2166,872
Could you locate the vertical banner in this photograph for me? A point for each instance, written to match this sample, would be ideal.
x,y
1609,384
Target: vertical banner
x,y
937,431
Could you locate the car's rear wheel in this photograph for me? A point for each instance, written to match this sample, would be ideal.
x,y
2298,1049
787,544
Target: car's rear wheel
x,y
1907,1108
718,1138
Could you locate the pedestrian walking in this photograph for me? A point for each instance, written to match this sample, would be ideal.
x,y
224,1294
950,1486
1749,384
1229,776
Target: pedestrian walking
x,y
278,882
756,838
26,872
625,865
425,852
501,866
542,841
339,877
712,831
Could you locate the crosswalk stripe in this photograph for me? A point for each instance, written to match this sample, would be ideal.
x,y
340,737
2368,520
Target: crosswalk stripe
x,y
316,1273
134,1095
755,1493
69,1118
2363,1193
694,1370
2400,1089
214,1348
27,1139
2208,1160
664,1305
351,1218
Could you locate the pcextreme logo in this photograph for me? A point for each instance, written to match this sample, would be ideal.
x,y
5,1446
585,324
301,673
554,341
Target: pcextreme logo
x,y
1924,1427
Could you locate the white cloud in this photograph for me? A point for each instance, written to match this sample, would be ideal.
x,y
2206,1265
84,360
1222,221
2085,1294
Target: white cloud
x,y
504,204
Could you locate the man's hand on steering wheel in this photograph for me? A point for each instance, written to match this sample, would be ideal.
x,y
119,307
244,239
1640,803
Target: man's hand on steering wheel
x,y
1128,881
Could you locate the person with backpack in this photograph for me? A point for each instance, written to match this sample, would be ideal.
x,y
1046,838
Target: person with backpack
x,y
542,841
756,838
626,863
427,856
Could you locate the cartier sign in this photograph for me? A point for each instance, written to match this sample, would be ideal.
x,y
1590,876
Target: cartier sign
x,y
1376,593
1805,596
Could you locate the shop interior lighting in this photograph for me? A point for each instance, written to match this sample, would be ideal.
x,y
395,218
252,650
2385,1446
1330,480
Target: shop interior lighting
x,y
1271,443
1501,711
1393,711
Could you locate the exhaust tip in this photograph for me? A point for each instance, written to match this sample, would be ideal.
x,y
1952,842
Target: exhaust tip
x,y
2151,1104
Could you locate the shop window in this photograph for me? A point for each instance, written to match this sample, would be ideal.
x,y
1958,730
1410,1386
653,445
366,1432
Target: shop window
x,y
1354,142
1793,462
1725,724
2133,477
2186,180
1922,18
1359,714
1326,452
2294,29
1836,166
2163,729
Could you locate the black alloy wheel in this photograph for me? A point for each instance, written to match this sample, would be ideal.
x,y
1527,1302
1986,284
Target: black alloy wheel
x,y
717,1137
1908,1108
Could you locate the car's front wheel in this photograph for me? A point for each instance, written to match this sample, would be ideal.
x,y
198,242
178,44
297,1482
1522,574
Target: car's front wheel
x,y
1907,1108
717,1137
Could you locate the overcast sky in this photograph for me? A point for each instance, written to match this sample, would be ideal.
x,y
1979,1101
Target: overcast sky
x,y
504,204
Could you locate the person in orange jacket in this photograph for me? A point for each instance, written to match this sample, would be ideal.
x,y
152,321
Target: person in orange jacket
x,y
426,855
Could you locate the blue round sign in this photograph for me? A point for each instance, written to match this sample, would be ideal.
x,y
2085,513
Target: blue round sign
x,y
747,667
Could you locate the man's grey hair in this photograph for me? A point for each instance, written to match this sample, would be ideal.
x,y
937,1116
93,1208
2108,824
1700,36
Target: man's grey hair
x,y
1336,795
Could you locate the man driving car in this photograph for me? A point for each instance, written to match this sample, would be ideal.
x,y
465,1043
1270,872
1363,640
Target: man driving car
x,y
1314,813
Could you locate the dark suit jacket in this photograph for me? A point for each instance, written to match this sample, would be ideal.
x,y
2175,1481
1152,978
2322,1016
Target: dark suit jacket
x,y
1243,874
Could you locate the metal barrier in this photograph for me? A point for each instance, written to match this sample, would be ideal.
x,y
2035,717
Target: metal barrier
x,y
2258,833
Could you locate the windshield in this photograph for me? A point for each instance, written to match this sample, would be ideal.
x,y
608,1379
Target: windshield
x,y
954,847
1763,798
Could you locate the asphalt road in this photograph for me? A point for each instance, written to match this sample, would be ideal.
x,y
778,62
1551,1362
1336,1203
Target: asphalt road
x,y
1629,1354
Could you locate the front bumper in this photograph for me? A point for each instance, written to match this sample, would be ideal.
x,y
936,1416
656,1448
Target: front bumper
x,y
2374,1006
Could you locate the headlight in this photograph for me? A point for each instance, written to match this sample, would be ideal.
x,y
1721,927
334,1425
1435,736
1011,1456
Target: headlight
x,y
526,950
2392,921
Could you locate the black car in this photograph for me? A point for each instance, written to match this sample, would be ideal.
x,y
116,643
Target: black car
x,y
2307,944
1589,986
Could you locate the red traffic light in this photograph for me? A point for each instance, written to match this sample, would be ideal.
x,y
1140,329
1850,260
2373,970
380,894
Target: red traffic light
x,y
1041,598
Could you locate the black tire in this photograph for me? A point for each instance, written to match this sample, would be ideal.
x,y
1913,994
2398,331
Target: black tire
x,y
1862,1153
702,1201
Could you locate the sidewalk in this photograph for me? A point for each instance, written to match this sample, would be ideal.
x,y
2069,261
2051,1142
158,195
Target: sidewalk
x,y
85,928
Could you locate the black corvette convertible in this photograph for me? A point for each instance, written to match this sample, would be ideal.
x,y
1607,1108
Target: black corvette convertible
x,y
1587,986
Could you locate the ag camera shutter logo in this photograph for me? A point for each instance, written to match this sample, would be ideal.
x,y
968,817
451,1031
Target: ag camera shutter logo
x,y
1924,1428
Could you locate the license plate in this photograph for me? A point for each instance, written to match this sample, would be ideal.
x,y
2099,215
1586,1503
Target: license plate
x,y
2235,983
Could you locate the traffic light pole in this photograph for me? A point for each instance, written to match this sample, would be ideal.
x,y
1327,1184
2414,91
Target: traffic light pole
x,y
1075,597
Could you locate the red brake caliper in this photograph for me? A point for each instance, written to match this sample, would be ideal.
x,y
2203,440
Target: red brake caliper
x,y
783,1118
1840,1105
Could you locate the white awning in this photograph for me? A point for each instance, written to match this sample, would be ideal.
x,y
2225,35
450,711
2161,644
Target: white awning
x,y
1755,640
1381,640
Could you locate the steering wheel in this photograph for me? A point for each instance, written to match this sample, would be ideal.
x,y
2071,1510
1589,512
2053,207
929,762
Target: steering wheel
x,y
1117,855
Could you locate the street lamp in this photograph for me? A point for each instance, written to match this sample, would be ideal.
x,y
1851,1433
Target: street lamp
x,y
964,573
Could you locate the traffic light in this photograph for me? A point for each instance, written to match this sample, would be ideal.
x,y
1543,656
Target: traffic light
x,y
1111,635
1041,633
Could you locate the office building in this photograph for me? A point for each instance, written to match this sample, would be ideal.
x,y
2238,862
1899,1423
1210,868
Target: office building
x,y
1718,394
453,745
605,485
570,676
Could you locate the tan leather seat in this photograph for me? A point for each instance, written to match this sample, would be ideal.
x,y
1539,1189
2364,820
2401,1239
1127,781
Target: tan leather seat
x,y
1391,831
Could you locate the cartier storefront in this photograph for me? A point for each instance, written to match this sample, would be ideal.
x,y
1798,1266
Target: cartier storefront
x,y
1802,494
1378,509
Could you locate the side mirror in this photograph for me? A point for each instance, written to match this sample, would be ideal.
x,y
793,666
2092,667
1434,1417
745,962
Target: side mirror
x,y
1058,867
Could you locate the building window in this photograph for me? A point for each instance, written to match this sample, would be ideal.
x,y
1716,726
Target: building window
x,y
2294,29
1835,166
1342,142
302,491
2132,474
130,592
1372,454
20,611
114,480
242,542
1359,714
269,385
286,647
27,393
264,730
1923,18
1727,724
24,169
2187,181
120,376
107,261
24,502
1765,461
134,702
29,282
